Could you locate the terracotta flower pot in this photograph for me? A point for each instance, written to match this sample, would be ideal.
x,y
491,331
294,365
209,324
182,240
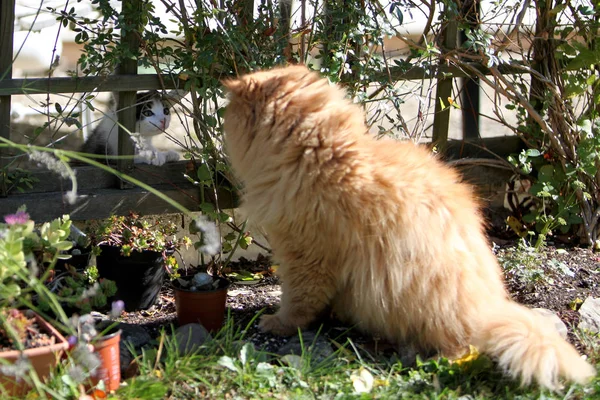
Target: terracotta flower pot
x,y
42,359
204,307
107,349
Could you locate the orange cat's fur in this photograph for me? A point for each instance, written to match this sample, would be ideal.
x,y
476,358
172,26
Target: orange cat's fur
x,y
381,231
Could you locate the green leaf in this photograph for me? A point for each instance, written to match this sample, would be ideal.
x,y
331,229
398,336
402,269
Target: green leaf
x,y
546,173
230,236
204,173
245,241
207,208
63,246
227,362
532,153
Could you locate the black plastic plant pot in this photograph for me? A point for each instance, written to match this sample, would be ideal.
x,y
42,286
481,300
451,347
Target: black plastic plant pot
x,y
138,277
79,261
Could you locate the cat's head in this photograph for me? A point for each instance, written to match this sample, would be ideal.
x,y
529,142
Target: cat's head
x,y
290,112
153,114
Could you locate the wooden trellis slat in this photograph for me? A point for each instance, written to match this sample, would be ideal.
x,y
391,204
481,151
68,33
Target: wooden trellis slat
x,y
441,122
100,198
7,18
131,9
109,83
116,83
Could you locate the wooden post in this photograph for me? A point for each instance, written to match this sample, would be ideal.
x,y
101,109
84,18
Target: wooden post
x,y
285,24
126,105
470,86
7,19
441,121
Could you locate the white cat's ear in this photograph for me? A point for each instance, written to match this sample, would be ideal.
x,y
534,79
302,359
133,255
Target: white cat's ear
x,y
174,96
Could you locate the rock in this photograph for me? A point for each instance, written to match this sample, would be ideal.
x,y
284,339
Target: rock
x,y
134,336
589,313
560,326
190,337
318,349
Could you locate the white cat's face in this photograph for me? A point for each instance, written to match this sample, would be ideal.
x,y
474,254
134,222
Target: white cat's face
x,y
153,116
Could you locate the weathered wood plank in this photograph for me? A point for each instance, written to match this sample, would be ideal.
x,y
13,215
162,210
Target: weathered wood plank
x,y
89,177
7,17
493,147
109,83
100,203
115,83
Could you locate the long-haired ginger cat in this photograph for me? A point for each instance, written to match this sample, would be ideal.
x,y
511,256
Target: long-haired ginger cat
x,y
378,230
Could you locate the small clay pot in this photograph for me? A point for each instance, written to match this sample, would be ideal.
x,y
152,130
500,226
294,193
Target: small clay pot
x,y
107,349
206,307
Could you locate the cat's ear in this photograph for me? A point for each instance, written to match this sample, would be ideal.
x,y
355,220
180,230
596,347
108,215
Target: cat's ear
x,y
174,96
235,86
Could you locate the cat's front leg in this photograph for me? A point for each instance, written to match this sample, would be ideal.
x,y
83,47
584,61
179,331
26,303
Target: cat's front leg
x,y
303,301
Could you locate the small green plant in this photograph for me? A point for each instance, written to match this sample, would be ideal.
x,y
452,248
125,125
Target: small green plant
x,y
15,325
133,233
82,290
553,195
523,262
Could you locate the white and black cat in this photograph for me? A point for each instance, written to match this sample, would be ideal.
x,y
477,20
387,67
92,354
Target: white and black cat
x,y
152,115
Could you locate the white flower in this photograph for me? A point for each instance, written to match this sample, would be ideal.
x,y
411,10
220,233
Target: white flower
x,y
362,380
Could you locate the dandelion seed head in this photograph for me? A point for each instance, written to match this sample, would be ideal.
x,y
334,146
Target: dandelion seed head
x,y
85,357
50,162
77,373
71,197
211,239
19,369
117,308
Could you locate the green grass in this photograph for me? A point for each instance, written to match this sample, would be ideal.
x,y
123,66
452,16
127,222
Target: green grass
x,y
229,367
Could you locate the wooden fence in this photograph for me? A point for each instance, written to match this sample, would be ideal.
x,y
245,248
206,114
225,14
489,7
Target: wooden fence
x,y
103,194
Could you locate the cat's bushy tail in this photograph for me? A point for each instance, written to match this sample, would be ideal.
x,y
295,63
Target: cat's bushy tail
x,y
528,347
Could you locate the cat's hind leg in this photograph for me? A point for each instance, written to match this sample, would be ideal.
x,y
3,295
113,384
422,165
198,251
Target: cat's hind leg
x,y
306,295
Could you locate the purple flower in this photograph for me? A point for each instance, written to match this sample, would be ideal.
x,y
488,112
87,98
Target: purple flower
x,y
20,217
72,340
117,308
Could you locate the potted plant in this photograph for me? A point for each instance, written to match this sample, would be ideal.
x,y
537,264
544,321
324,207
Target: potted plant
x,y
137,254
81,291
95,345
27,341
201,297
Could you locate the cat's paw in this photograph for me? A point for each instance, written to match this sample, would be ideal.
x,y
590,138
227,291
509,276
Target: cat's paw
x,y
144,157
159,158
171,155
274,324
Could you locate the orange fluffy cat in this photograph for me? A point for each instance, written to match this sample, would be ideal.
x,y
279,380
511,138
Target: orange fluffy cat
x,y
378,230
